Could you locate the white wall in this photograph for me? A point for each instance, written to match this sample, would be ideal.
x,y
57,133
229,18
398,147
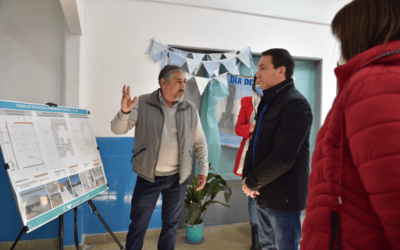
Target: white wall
x,y
315,11
31,51
118,32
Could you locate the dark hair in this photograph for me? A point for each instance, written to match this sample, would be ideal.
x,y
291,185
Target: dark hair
x,y
281,57
363,24
167,72
254,83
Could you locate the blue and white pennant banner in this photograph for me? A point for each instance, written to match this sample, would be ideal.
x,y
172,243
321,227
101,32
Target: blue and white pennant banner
x,y
167,55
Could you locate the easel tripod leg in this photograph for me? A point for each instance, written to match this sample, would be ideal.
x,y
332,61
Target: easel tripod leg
x,y
19,236
61,231
96,212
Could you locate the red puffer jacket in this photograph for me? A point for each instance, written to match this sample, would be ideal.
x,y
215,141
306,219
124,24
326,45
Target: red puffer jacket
x,y
354,186
242,128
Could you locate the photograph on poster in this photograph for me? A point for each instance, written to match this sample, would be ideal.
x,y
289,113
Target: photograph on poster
x,y
66,189
92,182
35,201
99,176
84,182
228,109
77,185
55,194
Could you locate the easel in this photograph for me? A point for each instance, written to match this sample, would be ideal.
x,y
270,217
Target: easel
x,y
61,219
61,228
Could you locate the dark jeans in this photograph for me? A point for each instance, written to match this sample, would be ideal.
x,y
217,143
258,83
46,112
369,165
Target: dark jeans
x,y
144,200
278,230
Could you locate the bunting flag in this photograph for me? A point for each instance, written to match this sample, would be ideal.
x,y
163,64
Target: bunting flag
x,y
158,57
192,65
175,59
202,83
188,76
210,67
223,79
245,58
198,57
155,48
229,64
216,72
180,52
215,57
236,70
244,49
196,70
148,50
251,61
230,54
165,60
167,55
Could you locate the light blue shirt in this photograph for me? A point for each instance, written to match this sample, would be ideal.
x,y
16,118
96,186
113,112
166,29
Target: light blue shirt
x,y
162,100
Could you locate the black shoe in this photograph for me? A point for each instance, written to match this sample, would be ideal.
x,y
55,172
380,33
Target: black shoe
x,y
255,245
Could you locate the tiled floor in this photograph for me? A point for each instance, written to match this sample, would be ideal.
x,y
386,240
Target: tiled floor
x,y
236,236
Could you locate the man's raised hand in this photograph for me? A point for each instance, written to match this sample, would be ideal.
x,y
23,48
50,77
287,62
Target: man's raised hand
x,y
127,103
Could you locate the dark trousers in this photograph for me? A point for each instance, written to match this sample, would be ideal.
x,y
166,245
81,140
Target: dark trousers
x,y
144,200
278,230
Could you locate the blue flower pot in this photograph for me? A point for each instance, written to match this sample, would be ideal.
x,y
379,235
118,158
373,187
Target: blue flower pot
x,y
194,234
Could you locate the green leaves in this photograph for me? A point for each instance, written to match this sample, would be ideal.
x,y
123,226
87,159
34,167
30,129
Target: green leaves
x,y
194,213
227,193
197,202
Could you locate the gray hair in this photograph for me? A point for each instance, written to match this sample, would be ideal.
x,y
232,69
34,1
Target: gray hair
x,y
170,74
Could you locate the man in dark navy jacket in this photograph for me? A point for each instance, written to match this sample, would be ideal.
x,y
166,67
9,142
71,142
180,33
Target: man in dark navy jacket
x,y
276,167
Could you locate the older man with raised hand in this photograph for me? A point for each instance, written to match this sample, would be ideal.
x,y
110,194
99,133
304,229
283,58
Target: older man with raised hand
x,y
168,130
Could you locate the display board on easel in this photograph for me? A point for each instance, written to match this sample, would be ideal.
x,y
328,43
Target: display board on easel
x,y
52,159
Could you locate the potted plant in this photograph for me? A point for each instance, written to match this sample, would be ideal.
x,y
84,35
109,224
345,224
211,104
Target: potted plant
x,y
197,202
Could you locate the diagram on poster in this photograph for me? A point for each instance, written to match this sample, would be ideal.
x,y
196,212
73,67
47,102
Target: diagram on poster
x,y
52,159
86,142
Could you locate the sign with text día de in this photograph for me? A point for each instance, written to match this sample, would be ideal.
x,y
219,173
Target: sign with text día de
x,y
228,109
51,157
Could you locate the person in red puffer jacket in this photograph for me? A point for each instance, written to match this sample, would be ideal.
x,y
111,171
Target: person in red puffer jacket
x,y
244,128
354,186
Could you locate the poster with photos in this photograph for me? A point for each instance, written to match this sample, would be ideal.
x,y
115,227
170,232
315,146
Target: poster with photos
x,y
51,157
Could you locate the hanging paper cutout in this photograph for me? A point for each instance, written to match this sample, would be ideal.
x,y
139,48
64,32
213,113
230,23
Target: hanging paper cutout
x,y
210,67
223,79
192,64
245,58
202,83
175,59
215,57
198,57
229,64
